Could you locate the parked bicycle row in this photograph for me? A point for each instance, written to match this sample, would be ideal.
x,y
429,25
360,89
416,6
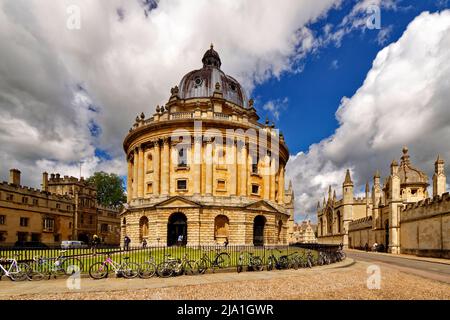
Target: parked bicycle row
x,y
46,268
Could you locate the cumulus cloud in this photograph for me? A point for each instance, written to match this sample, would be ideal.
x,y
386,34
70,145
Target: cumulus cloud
x,y
65,92
276,107
404,100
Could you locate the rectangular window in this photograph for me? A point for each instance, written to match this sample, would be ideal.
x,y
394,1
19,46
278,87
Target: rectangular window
x,y
24,222
35,202
2,236
49,224
254,168
255,189
2,219
58,206
24,200
182,184
182,157
221,184
104,227
149,187
9,197
68,208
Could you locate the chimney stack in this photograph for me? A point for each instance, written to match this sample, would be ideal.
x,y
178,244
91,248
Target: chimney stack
x,y
14,177
45,182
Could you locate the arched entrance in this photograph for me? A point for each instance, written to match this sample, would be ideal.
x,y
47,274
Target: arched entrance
x,y
221,228
143,228
258,230
83,237
176,227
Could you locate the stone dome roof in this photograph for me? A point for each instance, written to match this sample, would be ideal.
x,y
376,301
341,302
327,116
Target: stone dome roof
x,y
202,83
408,174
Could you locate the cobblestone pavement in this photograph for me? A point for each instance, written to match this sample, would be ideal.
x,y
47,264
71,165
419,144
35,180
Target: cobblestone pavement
x,y
344,281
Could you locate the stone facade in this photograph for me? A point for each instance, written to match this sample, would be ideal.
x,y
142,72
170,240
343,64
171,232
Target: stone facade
x,y
203,167
398,214
64,209
304,232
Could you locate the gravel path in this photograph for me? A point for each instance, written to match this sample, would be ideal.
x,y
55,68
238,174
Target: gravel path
x,y
343,283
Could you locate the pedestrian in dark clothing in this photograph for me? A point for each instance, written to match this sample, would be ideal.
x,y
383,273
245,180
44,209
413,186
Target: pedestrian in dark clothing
x,y
126,242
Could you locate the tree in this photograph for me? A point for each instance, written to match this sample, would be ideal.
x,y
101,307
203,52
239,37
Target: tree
x,y
110,191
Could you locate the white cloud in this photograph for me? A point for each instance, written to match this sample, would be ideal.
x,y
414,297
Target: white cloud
x,y
404,100
64,93
276,107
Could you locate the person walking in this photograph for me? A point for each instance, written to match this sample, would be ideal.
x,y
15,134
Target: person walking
x,y
144,243
180,239
126,242
94,243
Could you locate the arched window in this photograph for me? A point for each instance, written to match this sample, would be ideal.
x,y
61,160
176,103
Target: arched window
x,y
330,221
221,228
338,221
143,228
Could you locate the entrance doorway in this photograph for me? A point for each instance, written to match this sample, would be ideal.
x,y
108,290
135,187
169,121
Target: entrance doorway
x,y
258,230
177,229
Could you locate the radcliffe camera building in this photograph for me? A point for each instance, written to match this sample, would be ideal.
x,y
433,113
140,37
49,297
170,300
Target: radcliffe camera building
x,y
397,213
197,168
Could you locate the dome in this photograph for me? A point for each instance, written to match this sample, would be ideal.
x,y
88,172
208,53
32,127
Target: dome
x,y
202,83
408,174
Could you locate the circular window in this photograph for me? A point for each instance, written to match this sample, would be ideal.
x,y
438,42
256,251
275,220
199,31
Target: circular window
x,y
233,86
198,81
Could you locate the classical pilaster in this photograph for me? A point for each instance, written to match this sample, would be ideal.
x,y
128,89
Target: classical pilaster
x,y
197,164
266,177
272,179
232,165
135,173
281,185
141,172
209,167
244,169
165,167
129,180
156,167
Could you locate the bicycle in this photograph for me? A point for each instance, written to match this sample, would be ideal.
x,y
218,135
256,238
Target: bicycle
x,y
186,266
167,268
16,271
279,263
100,270
221,260
148,268
61,265
253,262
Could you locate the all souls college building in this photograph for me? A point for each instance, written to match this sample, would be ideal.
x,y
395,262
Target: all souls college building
x,y
397,213
203,167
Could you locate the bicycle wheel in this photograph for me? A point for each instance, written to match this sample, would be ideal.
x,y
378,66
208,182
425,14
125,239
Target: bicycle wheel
x,y
98,270
223,260
284,262
71,265
190,268
165,269
36,273
201,266
130,270
257,264
270,264
147,270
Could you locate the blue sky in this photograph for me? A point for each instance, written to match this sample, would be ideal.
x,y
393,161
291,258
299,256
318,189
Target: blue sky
x,y
315,93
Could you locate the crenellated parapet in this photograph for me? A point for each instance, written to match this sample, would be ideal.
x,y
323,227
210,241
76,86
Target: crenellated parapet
x,y
426,208
360,224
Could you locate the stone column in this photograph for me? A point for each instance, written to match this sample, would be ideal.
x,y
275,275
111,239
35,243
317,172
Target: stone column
x,y
233,168
197,164
129,180
281,185
244,169
165,158
156,168
266,177
140,172
135,173
272,180
209,168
